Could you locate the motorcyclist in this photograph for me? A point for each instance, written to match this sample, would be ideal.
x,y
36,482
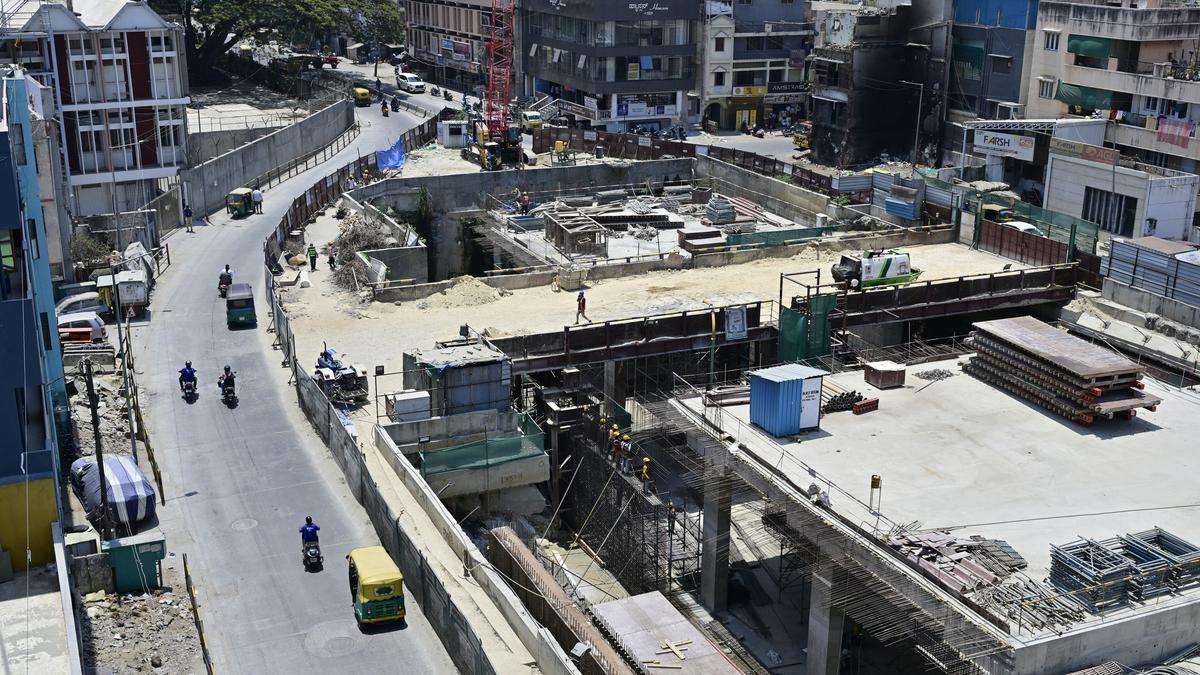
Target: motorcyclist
x,y
308,531
225,278
186,374
385,108
226,379
395,104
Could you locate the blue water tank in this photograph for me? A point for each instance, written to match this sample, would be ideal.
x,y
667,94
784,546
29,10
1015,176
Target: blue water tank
x,y
786,400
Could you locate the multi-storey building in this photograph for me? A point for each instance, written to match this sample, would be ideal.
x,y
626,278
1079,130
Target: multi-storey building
x,y
446,39
612,65
877,75
990,67
32,393
120,88
754,52
1135,64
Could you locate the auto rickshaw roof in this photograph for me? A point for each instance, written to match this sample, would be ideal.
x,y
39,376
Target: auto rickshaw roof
x,y
239,291
240,191
375,566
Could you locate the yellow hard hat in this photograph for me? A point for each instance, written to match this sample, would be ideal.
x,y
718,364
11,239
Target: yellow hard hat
x,y
645,460
616,427
626,436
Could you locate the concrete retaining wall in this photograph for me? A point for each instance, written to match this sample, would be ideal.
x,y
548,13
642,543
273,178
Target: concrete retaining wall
x,y
787,200
407,262
551,658
1144,301
206,185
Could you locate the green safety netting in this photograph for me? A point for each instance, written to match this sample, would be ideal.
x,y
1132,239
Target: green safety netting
x,y
801,336
487,453
1085,45
1075,232
1087,98
777,237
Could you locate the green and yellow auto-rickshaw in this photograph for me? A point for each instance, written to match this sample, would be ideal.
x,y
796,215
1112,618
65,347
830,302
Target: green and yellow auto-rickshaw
x,y
240,202
362,97
376,585
239,306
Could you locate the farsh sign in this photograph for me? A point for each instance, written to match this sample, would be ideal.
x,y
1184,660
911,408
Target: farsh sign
x,y
1008,145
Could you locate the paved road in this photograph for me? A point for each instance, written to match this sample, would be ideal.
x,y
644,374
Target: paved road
x,y
240,481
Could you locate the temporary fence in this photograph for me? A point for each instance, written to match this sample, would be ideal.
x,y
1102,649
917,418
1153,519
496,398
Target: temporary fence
x,y
191,591
490,452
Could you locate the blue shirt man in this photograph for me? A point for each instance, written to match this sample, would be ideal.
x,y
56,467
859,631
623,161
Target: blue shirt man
x,y
308,531
187,374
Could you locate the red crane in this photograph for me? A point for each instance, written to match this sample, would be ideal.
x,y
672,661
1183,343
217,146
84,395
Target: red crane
x,y
499,49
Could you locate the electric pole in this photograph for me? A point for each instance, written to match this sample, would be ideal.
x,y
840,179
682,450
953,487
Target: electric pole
x,y
94,404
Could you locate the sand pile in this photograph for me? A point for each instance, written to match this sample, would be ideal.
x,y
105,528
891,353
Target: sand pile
x,y
466,291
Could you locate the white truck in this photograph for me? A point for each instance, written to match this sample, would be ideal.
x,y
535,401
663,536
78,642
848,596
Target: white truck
x,y
133,289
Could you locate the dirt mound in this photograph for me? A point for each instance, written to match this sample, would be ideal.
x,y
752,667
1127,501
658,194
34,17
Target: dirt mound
x,y
466,291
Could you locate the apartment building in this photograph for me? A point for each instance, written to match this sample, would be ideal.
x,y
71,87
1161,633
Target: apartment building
x,y
754,54
612,65
991,51
446,39
120,86
878,74
32,391
1135,64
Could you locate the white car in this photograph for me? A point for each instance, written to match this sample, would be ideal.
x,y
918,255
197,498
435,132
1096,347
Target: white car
x,y
1022,226
410,83
85,323
82,302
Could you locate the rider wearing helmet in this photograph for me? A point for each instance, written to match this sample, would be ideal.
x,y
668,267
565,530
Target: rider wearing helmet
x,y
308,531
226,379
186,374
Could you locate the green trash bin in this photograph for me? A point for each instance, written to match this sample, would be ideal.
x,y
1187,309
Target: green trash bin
x,y
136,561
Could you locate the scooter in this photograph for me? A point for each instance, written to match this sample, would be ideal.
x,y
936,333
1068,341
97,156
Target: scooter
x,y
189,391
385,109
312,556
228,391
222,289
434,91
395,104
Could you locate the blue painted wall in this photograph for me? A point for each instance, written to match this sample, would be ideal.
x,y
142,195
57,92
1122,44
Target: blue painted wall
x,y
1019,14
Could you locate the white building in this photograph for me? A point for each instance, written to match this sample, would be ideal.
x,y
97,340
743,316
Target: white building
x,y
119,79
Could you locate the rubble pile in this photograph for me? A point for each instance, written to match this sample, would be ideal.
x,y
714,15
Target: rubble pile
x,y
150,633
934,374
114,416
358,233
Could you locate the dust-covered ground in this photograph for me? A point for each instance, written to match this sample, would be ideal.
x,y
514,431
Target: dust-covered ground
x,y
378,333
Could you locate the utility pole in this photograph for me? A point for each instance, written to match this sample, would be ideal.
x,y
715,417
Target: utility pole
x,y
127,351
94,404
917,130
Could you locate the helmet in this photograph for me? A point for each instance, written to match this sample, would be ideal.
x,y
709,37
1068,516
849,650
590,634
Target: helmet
x,y
645,460
616,427
187,364
308,519
227,367
626,437
581,294
330,242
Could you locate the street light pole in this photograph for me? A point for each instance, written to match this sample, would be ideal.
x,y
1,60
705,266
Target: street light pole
x,y
917,130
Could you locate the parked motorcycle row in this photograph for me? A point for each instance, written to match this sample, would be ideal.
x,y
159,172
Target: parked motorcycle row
x,y
674,133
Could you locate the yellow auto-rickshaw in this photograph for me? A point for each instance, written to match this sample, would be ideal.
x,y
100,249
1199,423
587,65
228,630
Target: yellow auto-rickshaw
x,y
362,97
376,585
239,202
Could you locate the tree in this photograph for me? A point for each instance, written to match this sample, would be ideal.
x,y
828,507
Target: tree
x,y
376,22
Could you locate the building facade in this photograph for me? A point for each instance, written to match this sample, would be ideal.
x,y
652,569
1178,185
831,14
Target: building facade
x,y
877,80
990,67
612,65
120,88
32,393
446,40
1135,65
753,66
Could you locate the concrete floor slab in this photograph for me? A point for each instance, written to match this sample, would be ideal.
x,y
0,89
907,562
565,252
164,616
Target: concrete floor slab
x,y
33,630
643,622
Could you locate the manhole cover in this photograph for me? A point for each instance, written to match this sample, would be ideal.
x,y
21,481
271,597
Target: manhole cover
x,y
243,524
332,638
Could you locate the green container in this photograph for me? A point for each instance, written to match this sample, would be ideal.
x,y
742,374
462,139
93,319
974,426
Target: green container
x,y
135,561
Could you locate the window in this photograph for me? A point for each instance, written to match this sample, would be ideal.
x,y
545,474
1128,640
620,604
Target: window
x,y
1001,65
719,79
1113,214
743,2
719,44
18,143
1046,88
1051,41
754,44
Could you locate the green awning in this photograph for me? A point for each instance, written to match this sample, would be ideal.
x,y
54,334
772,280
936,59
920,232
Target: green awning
x,y
1095,47
1084,97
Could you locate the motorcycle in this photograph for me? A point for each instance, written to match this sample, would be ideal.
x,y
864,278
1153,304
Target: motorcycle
x,y
228,390
434,91
395,104
189,390
223,284
312,556
447,95
385,109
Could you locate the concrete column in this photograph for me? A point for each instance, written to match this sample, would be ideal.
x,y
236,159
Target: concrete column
x,y
714,551
614,385
824,625
555,461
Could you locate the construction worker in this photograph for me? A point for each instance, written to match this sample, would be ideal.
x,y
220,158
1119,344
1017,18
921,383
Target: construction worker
x,y
614,440
581,308
312,257
645,469
626,450
329,253
524,203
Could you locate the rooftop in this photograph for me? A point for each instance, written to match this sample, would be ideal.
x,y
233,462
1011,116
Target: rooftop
x,y
963,456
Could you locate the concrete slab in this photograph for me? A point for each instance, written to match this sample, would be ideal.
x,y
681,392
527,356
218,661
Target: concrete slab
x,y
643,622
33,630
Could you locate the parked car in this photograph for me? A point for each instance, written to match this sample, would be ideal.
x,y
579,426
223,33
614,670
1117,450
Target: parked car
x,y
1022,226
82,326
81,302
410,83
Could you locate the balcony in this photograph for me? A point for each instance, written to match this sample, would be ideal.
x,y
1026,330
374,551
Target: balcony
x,y
1147,139
1150,82
1174,22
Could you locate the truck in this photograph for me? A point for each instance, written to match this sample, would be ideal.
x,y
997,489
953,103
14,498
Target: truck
x,y
874,268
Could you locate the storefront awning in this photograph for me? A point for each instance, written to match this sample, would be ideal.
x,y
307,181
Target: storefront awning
x,y
1084,45
1084,97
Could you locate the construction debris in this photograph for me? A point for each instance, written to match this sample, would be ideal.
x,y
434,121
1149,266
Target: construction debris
x,y
357,233
934,374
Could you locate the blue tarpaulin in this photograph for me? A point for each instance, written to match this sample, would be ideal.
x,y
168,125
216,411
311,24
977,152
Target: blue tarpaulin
x,y
392,158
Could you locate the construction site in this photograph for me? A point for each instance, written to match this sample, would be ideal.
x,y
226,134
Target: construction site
x,y
703,421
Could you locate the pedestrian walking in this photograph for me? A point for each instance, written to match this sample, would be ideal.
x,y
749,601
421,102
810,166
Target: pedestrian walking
x,y
187,217
312,257
329,255
257,197
581,308
379,87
